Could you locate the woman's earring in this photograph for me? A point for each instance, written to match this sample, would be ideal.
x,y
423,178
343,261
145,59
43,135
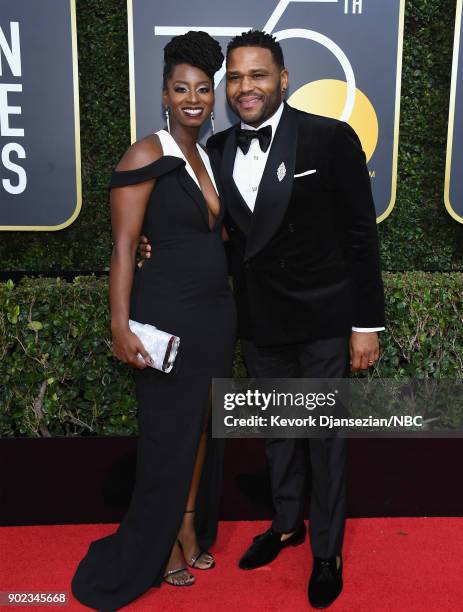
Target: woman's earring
x,y
168,119
212,121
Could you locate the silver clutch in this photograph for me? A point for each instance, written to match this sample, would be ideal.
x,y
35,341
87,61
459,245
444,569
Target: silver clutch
x,y
162,347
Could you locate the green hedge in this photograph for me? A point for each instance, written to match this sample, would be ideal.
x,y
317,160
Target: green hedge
x,y
57,375
418,235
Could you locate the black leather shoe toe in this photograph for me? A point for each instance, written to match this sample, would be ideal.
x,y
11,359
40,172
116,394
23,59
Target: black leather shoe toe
x,y
325,582
267,546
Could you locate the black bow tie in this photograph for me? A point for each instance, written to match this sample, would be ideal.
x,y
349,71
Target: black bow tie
x,y
244,137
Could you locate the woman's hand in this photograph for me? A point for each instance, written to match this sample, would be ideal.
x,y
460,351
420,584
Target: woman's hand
x,y
126,347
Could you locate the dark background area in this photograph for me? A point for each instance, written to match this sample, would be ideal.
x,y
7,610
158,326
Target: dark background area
x,y
90,480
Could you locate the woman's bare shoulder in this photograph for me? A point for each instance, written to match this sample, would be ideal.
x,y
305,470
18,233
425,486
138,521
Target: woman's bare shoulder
x,y
141,153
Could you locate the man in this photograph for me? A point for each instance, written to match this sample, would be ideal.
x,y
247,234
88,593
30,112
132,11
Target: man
x,y
307,280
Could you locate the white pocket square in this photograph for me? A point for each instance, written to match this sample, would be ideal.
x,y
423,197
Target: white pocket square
x,y
305,173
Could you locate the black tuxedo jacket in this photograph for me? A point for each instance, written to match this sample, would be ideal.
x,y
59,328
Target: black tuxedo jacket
x,y
305,263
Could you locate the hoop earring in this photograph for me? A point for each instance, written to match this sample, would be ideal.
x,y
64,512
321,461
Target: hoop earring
x,y
168,119
212,122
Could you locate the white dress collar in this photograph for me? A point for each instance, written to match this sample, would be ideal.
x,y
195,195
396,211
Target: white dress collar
x,y
170,147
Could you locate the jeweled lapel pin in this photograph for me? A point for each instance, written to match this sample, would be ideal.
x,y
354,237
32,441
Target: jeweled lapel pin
x,y
281,172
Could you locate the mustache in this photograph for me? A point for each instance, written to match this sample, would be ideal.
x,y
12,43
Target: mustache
x,y
249,95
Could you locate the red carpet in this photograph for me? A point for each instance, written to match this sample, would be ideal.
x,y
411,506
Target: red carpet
x,y
404,564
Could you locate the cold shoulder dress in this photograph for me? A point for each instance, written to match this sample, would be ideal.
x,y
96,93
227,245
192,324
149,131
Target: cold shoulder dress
x,y
182,289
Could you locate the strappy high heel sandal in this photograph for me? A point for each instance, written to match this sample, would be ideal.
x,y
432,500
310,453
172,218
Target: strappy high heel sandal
x,y
178,581
203,556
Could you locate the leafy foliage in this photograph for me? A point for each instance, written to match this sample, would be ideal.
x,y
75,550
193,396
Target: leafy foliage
x,y
420,234
58,377
57,373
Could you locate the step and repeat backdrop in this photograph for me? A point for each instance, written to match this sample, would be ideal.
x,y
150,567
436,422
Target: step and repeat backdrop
x,y
344,59
40,186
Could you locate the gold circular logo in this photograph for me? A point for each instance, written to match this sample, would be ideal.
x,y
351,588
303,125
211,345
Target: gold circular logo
x,y
328,96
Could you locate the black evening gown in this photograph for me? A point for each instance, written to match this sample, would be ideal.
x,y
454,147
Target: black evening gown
x,y
182,289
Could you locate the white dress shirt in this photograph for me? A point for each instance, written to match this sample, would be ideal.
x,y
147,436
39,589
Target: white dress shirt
x,y
248,170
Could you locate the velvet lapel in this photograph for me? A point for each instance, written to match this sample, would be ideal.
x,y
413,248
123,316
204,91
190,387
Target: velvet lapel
x,y
236,206
190,186
274,194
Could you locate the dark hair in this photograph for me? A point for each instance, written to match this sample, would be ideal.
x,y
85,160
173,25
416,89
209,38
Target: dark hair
x,y
195,48
257,38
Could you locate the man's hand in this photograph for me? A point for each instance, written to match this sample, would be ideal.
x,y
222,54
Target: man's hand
x,y
144,249
364,350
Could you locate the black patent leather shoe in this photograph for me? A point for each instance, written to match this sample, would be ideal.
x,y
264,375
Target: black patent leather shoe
x,y
266,547
325,582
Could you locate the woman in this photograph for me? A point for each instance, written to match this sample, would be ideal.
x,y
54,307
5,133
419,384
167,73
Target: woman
x,y
164,185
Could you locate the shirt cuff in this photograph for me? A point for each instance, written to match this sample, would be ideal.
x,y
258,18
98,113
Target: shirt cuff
x,y
368,329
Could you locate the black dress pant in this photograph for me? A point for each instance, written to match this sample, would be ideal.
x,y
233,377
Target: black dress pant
x,y
327,358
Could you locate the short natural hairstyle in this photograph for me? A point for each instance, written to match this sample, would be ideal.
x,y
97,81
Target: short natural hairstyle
x,y
195,48
257,38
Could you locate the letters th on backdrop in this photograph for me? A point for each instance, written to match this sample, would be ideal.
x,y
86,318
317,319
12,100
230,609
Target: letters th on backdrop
x,y
40,185
453,192
344,59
